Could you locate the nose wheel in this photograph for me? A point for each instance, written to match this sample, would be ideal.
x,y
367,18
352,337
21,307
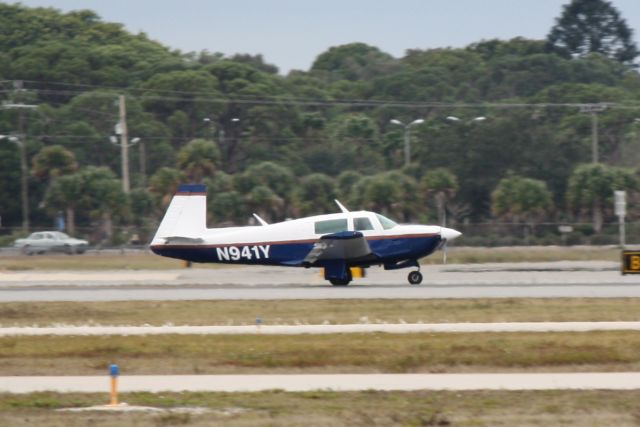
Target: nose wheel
x,y
415,277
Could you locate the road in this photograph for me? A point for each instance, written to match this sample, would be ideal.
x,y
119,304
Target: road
x,y
337,382
541,280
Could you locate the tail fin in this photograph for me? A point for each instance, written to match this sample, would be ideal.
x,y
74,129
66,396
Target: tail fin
x,y
186,216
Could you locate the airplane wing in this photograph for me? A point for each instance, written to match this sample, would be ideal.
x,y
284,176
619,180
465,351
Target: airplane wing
x,y
342,246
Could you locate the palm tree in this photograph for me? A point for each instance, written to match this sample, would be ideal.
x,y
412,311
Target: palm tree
x,y
443,185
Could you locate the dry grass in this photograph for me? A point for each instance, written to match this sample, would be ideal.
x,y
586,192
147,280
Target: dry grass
x,y
471,255
375,352
130,260
319,311
312,409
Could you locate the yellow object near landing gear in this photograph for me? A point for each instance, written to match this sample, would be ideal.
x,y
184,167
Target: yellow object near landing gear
x,y
354,273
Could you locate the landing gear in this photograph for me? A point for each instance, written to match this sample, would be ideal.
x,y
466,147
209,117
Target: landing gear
x,y
415,277
338,275
339,282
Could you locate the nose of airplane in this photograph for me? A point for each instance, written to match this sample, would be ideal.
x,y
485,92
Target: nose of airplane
x,y
449,233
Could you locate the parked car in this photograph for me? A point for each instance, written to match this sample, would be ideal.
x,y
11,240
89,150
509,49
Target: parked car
x,y
51,241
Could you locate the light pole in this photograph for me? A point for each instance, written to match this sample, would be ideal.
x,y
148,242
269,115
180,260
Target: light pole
x,y
593,110
124,154
24,184
212,128
407,137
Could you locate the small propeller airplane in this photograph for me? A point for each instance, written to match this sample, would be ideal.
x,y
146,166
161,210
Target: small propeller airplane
x,y
336,242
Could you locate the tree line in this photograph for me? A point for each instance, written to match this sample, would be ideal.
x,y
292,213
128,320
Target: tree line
x,y
285,146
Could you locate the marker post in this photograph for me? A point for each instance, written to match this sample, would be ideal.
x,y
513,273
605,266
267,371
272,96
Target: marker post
x,y
258,324
114,371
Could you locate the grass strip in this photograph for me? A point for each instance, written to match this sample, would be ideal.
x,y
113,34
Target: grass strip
x,y
323,408
338,353
197,313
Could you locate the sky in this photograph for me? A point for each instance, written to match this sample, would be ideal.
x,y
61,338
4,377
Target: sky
x,y
292,33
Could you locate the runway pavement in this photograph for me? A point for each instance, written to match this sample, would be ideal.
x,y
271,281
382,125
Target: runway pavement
x,y
554,279
539,280
401,328
336,382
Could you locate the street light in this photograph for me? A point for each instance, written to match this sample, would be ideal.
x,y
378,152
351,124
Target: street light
x,y
124,154
407,137
475,119
24,185
209,121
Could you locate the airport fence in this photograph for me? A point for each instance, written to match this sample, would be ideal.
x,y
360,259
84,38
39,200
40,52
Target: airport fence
x,y
474,234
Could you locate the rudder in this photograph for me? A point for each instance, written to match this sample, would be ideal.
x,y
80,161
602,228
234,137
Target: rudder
x,y
186,215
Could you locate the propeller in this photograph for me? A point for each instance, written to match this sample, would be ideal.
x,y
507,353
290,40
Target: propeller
x,y
444,252
447,234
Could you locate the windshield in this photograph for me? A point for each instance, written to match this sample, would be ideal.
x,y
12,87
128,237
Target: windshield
x,y
386,222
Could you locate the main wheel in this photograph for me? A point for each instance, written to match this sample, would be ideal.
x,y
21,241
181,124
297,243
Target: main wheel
x,y
338,282
415,277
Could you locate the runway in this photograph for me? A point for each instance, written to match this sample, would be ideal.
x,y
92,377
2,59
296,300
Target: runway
x,y
535,280
335,382
402,328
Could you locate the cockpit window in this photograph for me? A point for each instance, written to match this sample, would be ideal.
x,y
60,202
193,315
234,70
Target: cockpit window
x,y
331,226
386,222
362,224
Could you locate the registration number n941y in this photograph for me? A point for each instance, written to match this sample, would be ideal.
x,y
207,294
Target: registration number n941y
x,y
236,253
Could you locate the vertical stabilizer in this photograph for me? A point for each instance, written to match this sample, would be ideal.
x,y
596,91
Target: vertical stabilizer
x,y
187,213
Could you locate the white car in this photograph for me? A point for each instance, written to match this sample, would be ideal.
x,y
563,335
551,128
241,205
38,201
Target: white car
x,y
51,241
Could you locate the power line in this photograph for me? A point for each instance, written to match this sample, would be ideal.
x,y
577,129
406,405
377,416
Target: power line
x,y
145,94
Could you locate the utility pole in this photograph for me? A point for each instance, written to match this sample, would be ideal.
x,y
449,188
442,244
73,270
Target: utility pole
x,y
21,140
143,164
594,109
124,145
24,174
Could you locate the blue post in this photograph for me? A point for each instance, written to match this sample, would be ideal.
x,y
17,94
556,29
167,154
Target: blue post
x,y
114,371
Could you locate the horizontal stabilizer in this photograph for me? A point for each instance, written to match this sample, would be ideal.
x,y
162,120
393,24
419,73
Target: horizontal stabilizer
x,y
183,240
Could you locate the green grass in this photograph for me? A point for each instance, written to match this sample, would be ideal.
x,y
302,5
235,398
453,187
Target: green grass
x,y
319,311
324,408
373,352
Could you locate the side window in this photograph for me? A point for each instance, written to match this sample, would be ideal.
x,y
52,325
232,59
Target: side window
x,y
48,236
385,222
362,224
331,226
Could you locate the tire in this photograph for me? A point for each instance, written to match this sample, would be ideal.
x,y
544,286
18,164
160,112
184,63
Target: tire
x,y
415,277
338,282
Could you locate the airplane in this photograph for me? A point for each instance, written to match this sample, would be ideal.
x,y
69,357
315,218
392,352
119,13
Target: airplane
x,y
336,242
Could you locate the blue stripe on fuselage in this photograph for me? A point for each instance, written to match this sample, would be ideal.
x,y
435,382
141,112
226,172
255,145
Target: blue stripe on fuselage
x,y
391,249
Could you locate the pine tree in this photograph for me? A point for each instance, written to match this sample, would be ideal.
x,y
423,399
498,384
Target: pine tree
x,y
588,26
